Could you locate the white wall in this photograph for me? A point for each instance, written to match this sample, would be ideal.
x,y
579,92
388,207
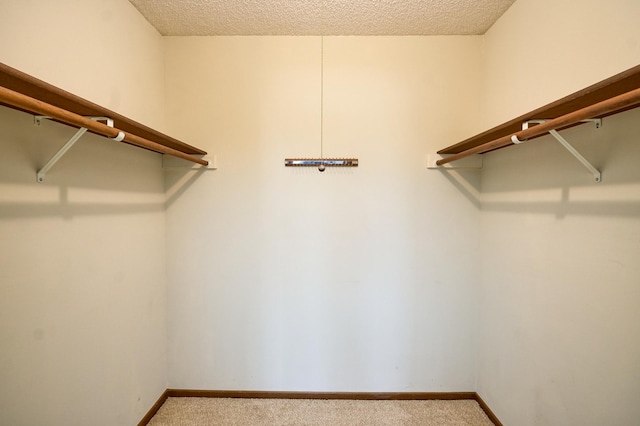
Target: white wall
x,y
82,279
352,280
559,340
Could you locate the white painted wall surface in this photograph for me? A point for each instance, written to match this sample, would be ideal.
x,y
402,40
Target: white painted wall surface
x,y
559,340
82,279
103,51
352,280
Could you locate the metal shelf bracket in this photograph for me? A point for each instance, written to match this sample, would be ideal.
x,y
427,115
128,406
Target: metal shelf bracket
x,y
597,176
40,174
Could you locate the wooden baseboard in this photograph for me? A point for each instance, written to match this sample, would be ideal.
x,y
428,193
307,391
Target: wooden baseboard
x,y
380,396
152,412
322,395
487,410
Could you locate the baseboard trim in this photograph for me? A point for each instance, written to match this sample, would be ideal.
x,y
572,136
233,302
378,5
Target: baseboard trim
x,y
154,409
380,396
321,395
487,410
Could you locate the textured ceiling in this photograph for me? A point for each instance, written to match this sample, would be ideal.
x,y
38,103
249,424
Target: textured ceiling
x,y
321,17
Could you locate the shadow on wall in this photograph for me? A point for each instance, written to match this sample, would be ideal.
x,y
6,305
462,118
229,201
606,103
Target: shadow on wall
x,y
542,177
177,182
95,177
467,183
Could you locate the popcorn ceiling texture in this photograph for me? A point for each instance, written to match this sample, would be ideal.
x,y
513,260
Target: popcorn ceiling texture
x,y
321,17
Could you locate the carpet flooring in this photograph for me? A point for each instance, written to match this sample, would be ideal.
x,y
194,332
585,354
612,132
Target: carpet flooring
x,y
313,412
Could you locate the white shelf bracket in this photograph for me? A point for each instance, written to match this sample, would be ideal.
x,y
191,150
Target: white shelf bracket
x,y
40,174
596,121
597,176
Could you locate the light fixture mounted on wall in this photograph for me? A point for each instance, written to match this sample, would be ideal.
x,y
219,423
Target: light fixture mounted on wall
x,y
321,163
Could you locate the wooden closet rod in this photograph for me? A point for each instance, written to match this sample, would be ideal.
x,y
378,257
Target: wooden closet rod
x,y
30,104
592,111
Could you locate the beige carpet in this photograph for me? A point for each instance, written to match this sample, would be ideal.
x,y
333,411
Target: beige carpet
x,y
257,412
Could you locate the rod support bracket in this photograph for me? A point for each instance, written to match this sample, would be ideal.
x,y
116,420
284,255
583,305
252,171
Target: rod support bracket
x,y
596,122
119,137
37,119
597,176
517,141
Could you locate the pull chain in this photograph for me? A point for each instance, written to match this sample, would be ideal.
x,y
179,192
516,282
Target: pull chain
x,y
321,167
